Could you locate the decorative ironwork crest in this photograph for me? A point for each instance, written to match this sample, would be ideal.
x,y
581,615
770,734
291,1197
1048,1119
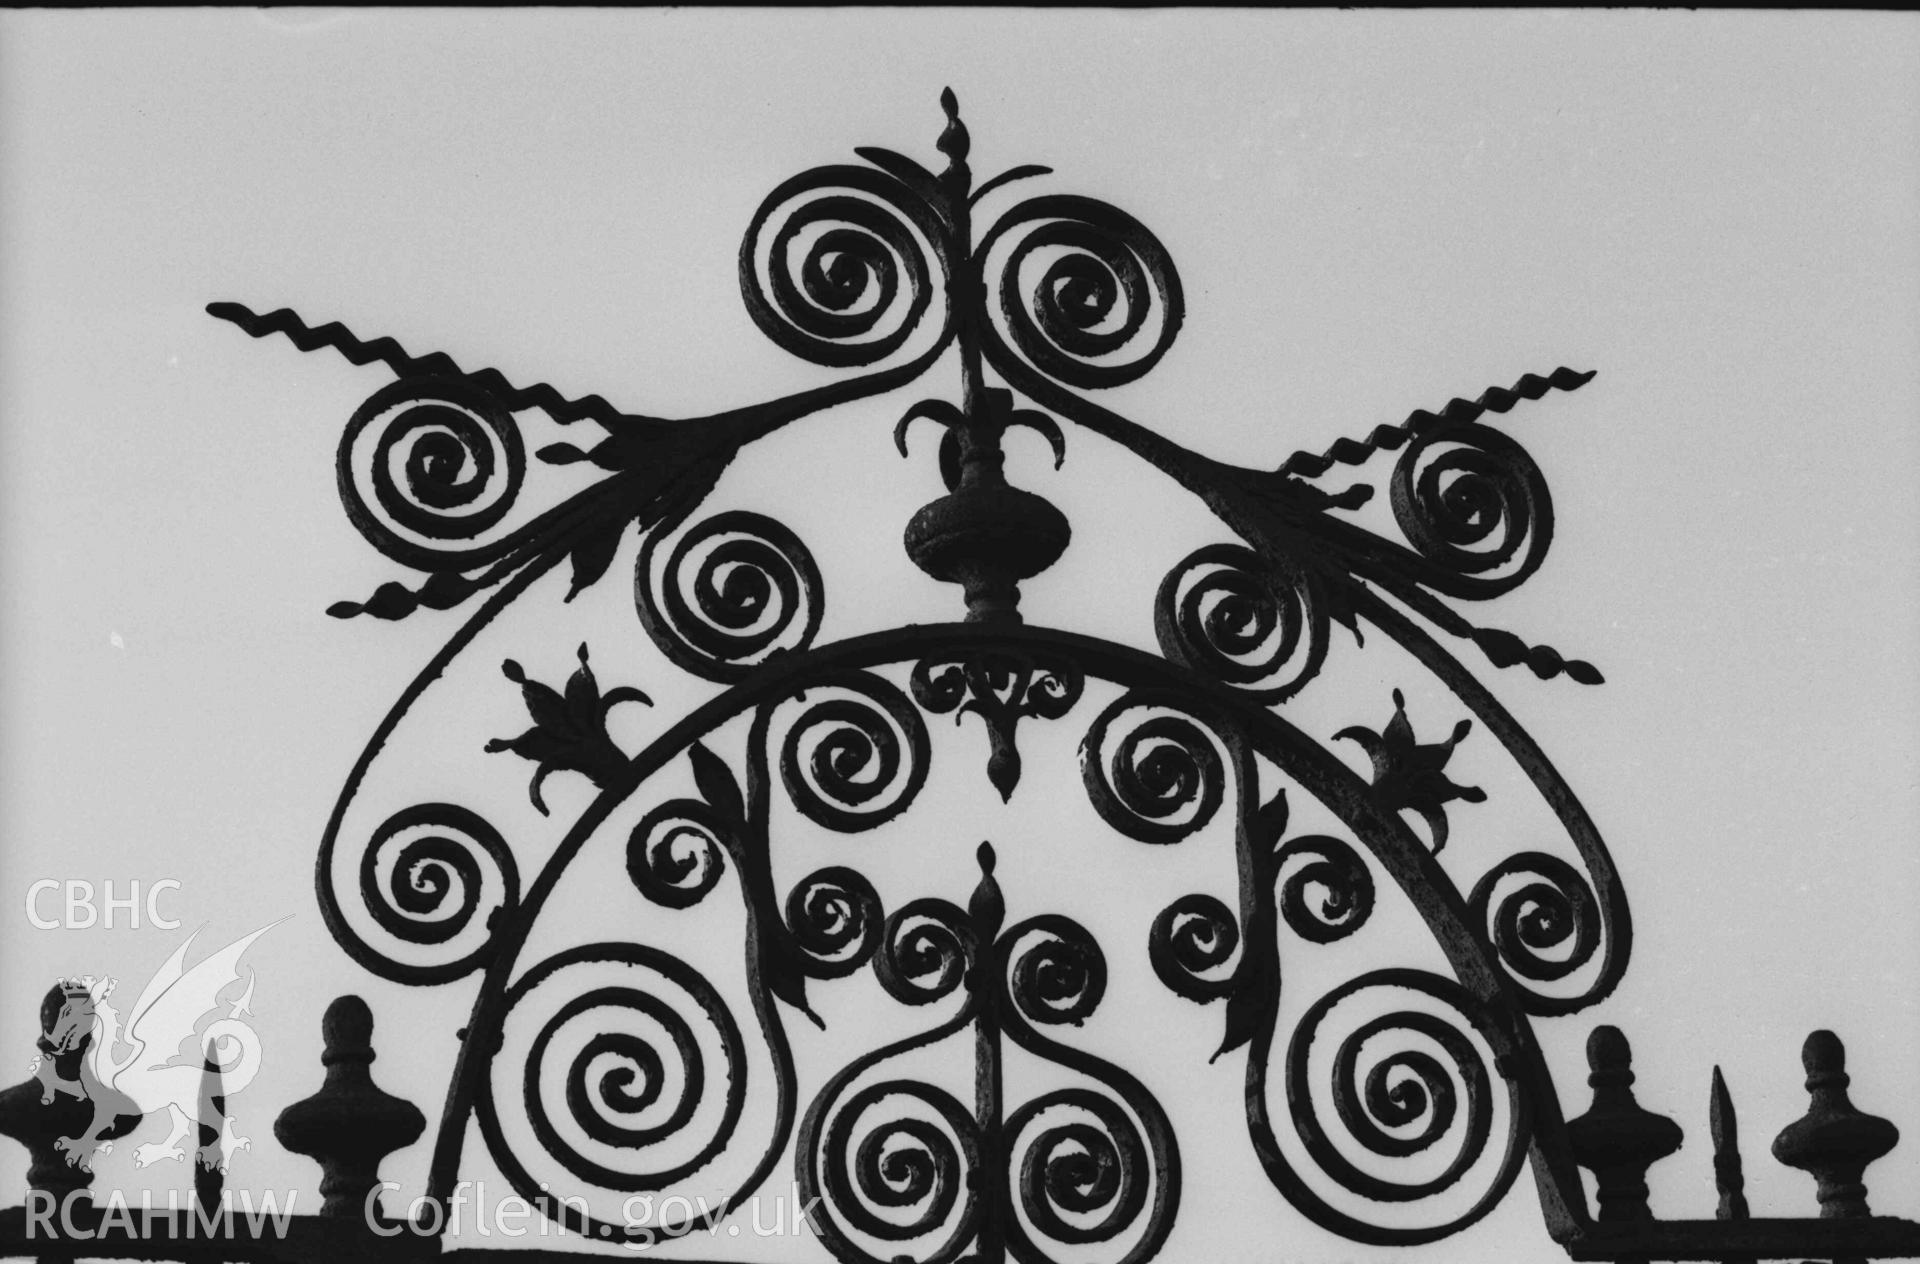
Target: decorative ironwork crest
x,y
613,1054
1396,1106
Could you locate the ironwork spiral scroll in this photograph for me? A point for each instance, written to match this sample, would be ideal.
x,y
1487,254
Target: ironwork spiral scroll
x,y
1190,943
1250,623
427,467
1408,1083
896,1176
1093,1166
856,760
1154,775
1058,975
908,1164
926,949
835,919
1475,505
1546,925
1326,890
616,1071
677,853
1405,1087
839,265
1088,294
436,879
1088,1165
735,589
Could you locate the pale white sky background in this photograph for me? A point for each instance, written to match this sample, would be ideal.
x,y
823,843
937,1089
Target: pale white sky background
x,y
1370,212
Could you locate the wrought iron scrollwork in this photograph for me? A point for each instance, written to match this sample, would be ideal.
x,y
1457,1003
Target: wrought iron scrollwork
x,y
823,727
839,264
907,1162
1255,625
629,1046
1472,501
1088,294
428,466
1192,938
857,760
926,950
1328,894
1411,1082
437,877
835,918
1161,778
736,589
1071,1167
676,854
1001,689
1429,1092
621,1067
1546,925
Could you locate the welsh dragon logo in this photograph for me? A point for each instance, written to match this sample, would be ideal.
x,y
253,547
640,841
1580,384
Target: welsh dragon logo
x,y
157,1061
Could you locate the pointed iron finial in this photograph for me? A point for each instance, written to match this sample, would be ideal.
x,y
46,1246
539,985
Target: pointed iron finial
x,y
1724,1127
209,1174
987,907
954,141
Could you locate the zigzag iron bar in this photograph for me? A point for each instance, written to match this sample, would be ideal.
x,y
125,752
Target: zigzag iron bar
x,y
1495,399
337,337
759,419
718,437
1292,507
528,567
1206,477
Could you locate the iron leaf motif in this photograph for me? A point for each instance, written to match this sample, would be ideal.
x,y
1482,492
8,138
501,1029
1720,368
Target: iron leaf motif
x,y
1410,775
569,732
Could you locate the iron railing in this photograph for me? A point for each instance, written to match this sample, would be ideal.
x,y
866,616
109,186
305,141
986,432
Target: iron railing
x,y
879,268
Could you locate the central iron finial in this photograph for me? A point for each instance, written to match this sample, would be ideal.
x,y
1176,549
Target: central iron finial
x,y
985,534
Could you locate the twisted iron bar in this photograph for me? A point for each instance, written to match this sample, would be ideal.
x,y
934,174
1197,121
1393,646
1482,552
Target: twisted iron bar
x,y
1388,438
335,336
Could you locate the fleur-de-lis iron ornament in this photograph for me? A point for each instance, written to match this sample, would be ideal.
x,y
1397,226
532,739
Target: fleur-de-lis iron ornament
x,y
604,1068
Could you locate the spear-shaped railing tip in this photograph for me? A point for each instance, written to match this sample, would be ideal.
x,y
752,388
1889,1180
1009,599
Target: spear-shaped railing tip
x,y
1724,1126
209,1175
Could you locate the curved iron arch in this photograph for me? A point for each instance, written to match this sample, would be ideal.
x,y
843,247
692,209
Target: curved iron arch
x,y
1490,1000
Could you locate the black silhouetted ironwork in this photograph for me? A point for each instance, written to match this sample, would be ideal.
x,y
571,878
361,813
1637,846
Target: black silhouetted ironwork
x,y
350,1124
878,269
1618,1139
